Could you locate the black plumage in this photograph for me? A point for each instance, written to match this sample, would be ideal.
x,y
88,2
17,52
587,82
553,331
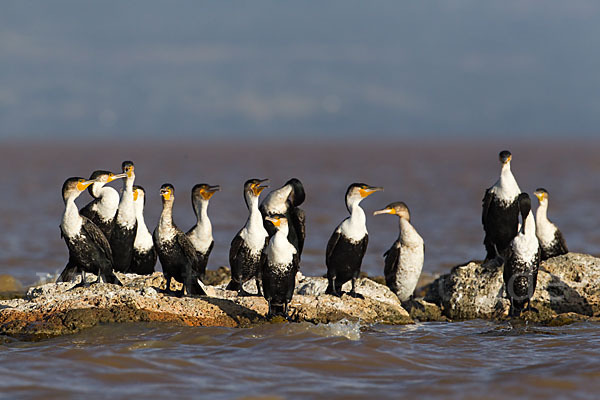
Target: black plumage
x,y
277,202
348,243
246,251
125,223
88,247
522,265
143,259
279,268
175,251
500,214
201,233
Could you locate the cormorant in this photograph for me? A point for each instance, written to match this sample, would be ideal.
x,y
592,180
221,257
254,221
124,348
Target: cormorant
x,y
279,268
248,244
521,267
125,225
348,243
201,234
175,251
144,255
404,260
102,210
500,215
550,237
286,200
88,247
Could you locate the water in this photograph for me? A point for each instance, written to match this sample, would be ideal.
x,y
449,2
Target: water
x,y
443,185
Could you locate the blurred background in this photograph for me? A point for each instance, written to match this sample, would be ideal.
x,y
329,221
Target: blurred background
x,y
416,96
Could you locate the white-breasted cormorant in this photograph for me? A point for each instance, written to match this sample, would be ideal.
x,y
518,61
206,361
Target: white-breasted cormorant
x,y
143,259
348,243
175,251
201,234
88,247
286,200
102,210
521,266
500,216
550,237
247,246
404,260
125,225
279,268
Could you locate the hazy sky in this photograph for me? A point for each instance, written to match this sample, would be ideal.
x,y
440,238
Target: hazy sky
x,y
306,67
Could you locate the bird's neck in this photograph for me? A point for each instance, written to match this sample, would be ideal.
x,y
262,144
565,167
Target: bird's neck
x,y
166,216
126,215
357,214
139,216
541,214
203,226
71,222
281,236
255,220
408,235
528,227
108,202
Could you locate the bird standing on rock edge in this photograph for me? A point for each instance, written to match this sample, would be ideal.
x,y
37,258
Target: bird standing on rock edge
x,y
404,260
246,251
144,256
521,267
286,201
88,247
500,216
279,268
550,237
348,243
125,225
175,251
201,234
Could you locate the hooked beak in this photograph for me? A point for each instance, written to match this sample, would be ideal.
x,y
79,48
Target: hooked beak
x,y
165,193
207,193
369,191
385,211
259,187
81,186
115,177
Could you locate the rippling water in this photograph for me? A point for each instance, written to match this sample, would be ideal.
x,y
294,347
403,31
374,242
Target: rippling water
x,y
442,183
435,360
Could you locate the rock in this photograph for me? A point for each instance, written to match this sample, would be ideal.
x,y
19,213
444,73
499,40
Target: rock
x,y
57,308
421,310
568,284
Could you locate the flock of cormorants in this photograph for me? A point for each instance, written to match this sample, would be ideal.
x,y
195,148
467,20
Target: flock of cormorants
x,y
110,234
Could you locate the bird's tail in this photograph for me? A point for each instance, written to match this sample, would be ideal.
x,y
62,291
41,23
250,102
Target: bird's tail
x,y
112,278
69,273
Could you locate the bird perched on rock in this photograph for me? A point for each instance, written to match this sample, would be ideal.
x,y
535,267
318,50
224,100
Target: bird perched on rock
x,y
279,268
88,247
500,215
175,251
286,201
144,256
125,225
248,244
348,243
201,234
550,237
404,260
521,267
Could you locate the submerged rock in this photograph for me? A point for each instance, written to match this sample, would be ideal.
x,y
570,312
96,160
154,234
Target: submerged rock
x,y
58,308
567,284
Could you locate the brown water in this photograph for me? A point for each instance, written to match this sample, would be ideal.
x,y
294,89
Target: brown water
x,y
442,183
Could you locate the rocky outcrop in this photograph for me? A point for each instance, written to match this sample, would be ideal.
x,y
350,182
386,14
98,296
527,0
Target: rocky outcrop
x,y
58,308
568,284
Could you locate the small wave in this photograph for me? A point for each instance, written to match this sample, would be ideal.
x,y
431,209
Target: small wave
x,y
344,328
